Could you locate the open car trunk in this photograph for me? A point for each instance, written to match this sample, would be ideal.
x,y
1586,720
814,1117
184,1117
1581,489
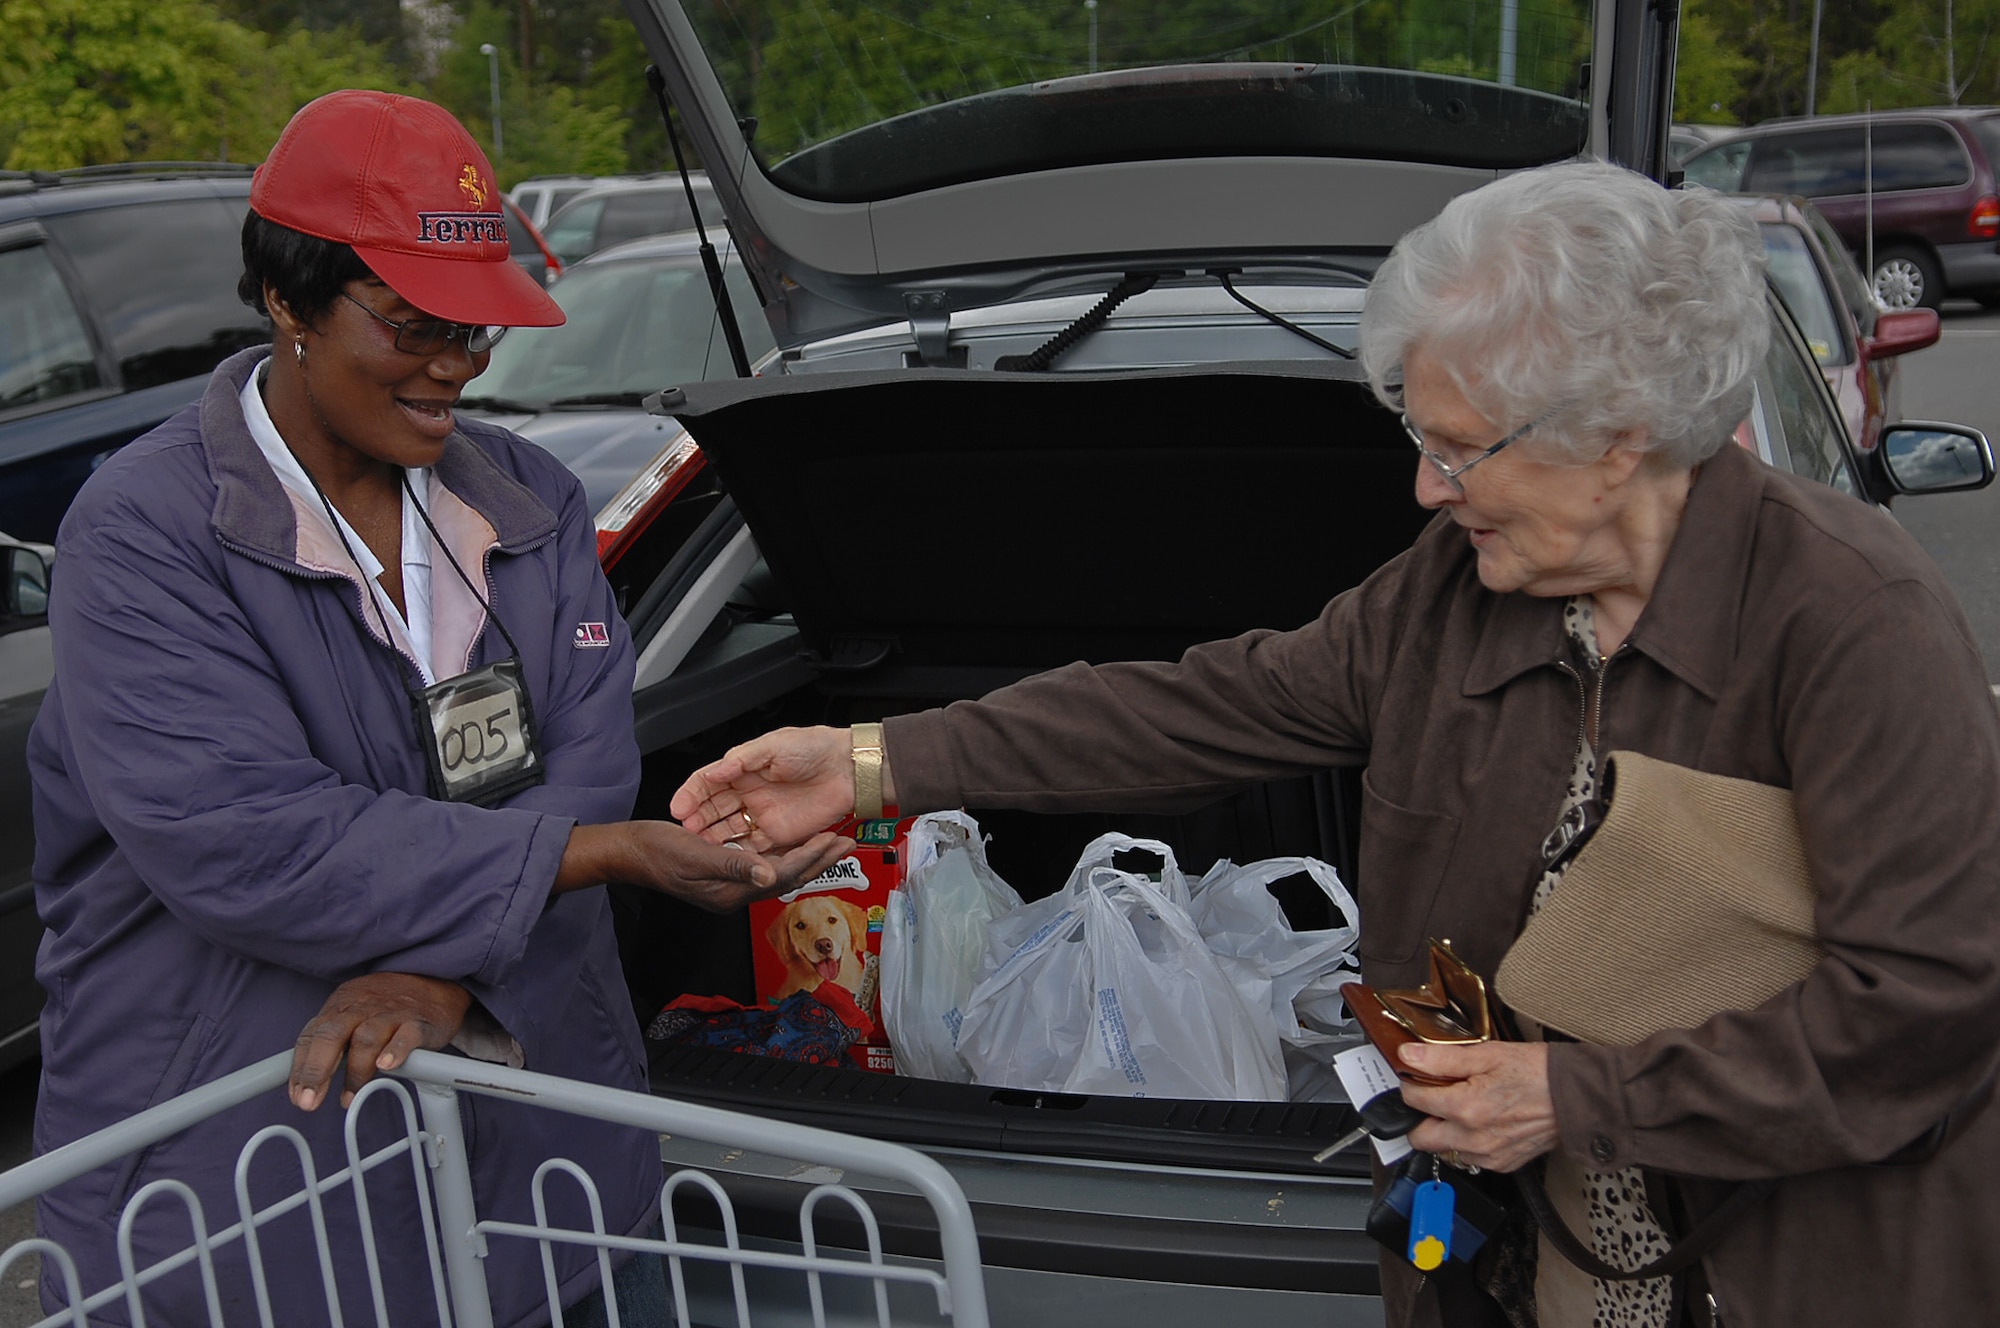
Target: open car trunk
x,y
928,536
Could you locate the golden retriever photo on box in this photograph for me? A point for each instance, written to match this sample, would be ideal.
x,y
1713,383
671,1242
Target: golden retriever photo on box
x,y
820,939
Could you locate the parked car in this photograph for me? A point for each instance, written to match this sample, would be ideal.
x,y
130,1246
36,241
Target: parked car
x,y
1182,249
1855,340
1684,140
614,211
1924,180
526,245
542,196
27,662
117,296
640,318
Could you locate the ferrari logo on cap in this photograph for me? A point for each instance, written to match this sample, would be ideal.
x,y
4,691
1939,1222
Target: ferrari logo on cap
x,y
472,187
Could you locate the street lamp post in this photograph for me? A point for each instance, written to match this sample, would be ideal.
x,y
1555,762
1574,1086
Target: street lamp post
x,y
1091,5
492,54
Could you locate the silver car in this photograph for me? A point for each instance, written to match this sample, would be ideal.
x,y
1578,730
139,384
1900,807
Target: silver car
x,y
1065,310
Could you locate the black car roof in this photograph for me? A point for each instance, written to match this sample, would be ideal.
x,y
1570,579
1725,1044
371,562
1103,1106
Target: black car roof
x,y
44,193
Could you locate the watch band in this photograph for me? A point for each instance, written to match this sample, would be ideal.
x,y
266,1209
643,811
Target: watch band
x,y
867,771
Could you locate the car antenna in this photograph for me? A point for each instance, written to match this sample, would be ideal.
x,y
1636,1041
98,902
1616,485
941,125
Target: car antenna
x,y
713,265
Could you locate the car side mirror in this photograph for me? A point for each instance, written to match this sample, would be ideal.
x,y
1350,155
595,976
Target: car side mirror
x,y
24,583
1900,331
1920,457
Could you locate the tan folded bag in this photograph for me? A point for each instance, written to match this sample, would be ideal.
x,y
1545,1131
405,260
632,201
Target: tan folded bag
x,y
1691,898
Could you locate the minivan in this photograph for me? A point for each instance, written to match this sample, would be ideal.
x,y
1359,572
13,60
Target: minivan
x,y
1912,193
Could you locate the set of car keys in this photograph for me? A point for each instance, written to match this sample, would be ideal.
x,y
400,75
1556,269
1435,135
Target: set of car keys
x,y
1386,1120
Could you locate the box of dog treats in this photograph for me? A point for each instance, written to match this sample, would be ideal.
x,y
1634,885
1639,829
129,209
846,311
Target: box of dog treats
x,y
827,935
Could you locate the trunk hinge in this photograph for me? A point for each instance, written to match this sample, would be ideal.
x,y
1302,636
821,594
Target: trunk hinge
x,y
930,323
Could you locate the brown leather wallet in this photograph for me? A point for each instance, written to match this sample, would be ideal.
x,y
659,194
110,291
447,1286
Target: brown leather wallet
x,y
1452,1009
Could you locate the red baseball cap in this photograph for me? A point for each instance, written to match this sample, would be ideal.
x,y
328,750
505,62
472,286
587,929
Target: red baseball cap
x,y
401,181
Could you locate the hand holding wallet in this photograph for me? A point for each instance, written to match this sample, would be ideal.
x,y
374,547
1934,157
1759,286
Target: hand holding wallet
x,y
1451,1009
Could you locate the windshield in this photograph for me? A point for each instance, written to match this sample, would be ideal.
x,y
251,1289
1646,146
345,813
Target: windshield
x,y
634,327
855,101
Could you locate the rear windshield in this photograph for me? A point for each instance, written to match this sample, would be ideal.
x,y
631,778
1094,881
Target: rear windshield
x,y
853,102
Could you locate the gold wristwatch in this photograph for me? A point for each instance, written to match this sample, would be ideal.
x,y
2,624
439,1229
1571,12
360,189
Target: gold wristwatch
x,y
867,771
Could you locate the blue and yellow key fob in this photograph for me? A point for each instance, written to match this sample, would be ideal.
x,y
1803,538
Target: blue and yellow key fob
x,y
1430,1225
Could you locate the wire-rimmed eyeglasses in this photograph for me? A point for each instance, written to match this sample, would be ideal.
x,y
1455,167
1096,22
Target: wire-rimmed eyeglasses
x,y
1451,472
428,336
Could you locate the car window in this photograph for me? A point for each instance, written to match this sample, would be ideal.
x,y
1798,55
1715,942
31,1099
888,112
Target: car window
x,y
1822,163
1919,156
654,212
161,280
571,233
1797,276
1719,167
632,328
1986,132
1851,286
642,212
558,197
1810,429
45,351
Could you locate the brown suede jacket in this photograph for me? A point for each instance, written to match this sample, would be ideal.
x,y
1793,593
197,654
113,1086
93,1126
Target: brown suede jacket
x,y
1796,637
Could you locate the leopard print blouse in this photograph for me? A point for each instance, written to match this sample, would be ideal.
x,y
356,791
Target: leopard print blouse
x,y
1609,1209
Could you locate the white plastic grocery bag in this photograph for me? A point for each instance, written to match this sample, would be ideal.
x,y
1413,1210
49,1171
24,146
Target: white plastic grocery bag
x,y
1107,987
934,942
1296,973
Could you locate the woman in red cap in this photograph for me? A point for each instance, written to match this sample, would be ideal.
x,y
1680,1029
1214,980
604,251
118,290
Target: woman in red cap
x,y
341,738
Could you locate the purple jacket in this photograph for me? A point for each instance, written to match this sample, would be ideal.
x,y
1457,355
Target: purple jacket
x,y
231,819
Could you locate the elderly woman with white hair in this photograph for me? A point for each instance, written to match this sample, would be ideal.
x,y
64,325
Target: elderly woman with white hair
x,y
1570,350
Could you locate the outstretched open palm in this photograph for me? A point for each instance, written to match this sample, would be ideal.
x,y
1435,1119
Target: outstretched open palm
x,y
772,792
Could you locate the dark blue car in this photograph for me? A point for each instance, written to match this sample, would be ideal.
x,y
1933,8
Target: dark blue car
x,y
117,296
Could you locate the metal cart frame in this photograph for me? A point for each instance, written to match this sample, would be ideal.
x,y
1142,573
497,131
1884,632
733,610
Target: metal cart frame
x,y
457,1236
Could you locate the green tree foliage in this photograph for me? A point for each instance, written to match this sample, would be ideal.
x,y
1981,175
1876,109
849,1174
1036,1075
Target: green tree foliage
x,y
90,81
1913,64
547,128
379,23
1709,75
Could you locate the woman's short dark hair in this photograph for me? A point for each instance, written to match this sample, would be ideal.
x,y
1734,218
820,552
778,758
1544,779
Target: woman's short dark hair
x,y
308,273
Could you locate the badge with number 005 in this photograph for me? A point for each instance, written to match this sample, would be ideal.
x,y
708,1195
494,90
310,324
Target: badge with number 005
x,y
479,732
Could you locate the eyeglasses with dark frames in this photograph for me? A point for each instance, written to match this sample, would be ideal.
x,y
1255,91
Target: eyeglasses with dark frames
x,y
1451,472
428,336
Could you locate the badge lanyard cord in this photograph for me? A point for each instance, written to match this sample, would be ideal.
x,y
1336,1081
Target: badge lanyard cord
x,y
436,539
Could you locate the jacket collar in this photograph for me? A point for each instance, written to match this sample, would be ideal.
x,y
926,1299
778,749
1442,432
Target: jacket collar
x,y
1688,627
252,511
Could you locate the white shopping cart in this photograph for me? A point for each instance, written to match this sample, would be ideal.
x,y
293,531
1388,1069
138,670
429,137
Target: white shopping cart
x,y
426,1090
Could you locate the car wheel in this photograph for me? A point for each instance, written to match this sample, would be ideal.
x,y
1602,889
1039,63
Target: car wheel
x,y
1908,278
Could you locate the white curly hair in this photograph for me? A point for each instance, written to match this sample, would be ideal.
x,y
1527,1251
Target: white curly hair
x,y
1587,295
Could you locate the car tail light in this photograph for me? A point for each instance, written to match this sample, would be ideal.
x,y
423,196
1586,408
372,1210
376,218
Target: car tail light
x,y
625,518
1985,221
